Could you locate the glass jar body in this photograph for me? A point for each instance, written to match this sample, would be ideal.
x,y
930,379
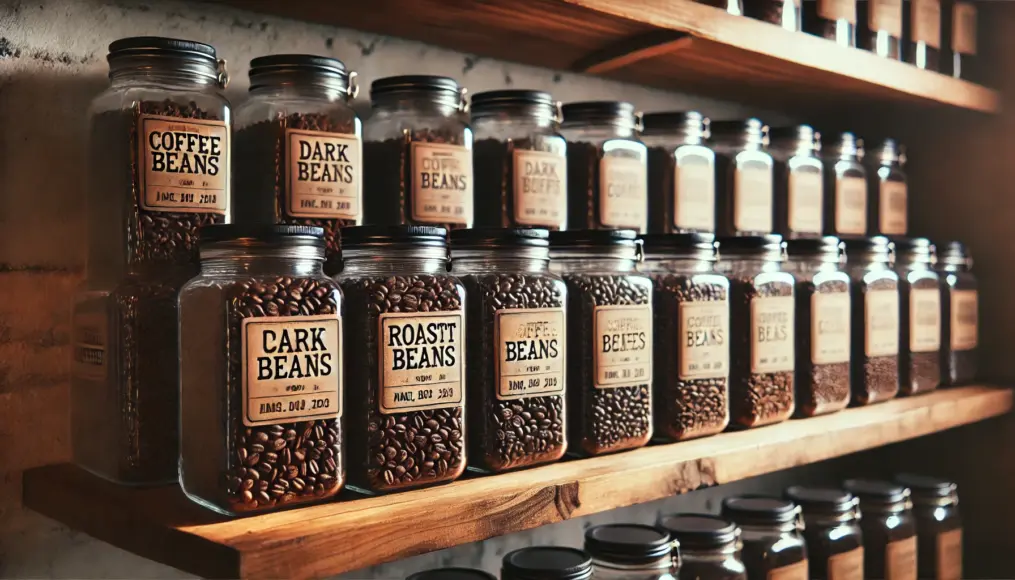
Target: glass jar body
x,y
959,326
717,564
845,197
920,326
921,29
889,544
784,13
681,185
833,547
831,19
799,193
880,27
874,359
769,550
744,197
889,205
664,569
939,540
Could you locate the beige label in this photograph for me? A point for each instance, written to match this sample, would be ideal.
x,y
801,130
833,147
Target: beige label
x,y
850,205
924,320
805,202
949,555
694,194
422,361
325,171
540,188
846,566
892,208
623,193
964,320
885,15
186,164
900,560
964,27
441,183
837,10
623,349
771,334
882,323
829,328
91,339
796,571
752,203
926,21
704,345
530,352
292,368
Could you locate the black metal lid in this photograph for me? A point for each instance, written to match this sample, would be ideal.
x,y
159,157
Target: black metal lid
x,y
846,145
588,111
196,59
701,531
547,563
519,97
735,127
812,246
820,499
413,83
792,133
627,543
382,236
914,245
500,238
888,152
872,244
261,233
276,68
144,45
926,485
452,574
750,509
877,491
680,243
737,244
953,253
661,121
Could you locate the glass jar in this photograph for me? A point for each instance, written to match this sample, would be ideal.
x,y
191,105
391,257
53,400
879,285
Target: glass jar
x,y
690,390
734,7
771,532
607,166
880,29
938,525
417,156
889,529
630,552
406,366
744,197
822,325
784,13
831,530
261,373
451,574
546,563
959,31
161,126
709,546
798,182
520,162
921,29
831,19
298,157
681,173
762,325
959,314
845,188
887,184
609,340
919,316
874,286
516,336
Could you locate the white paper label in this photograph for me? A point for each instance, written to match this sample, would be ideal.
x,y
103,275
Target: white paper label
x,y
752,199
924,320
850,205
540,188
964,320
771,334
900,560
805,203
949,555
441,183
704,345
694,194
892,209
882,323
422,361
325,171
623,349
186,164
830,327
530,352
623,192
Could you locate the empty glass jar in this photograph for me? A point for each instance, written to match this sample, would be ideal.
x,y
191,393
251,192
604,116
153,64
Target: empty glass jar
x,y
798,181
845,188
959,314
681,173
743,178
874,286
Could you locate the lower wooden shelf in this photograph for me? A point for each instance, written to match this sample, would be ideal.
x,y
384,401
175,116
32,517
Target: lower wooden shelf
x,y
161,524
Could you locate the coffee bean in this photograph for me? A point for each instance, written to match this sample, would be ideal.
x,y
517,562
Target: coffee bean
x,y
820,388
875,378
919,372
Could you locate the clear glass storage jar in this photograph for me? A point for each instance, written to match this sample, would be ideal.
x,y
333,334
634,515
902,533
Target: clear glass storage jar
x,y
298,150
744,198
889,529
417,153
874,286
261,374
158,171
516,374
887,184
919,316
609,340
607,166
762,325
690,390
681,173
798,181
880,27
921,29
831,530
519,160
770,529
708,546
406,365
831,19
630,552
938,525
845,188
547,563
959,314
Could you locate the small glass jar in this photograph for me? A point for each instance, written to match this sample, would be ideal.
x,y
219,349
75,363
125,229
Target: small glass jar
x,y
919,316
681,173
261,375
406,368
938,525
874,286
516,336
630,552
798,181
959,32
889,529
690,390
831,530
921,29
298,151
880,27
771,532
607,166
831,19
158,171
743,178
845,188
609,340
520,161
734,7
709,546
451,574
959,314
887,184
784,13
417,156
822,325
762,326
546,563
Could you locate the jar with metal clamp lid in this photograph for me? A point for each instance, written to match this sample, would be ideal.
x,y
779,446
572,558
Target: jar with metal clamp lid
x,y
831,530
889,529
770,528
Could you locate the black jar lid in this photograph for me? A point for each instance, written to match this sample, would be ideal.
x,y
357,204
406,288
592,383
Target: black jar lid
x,y
484,237
197,58
750,244
452,574
627,543
750,130
926,485
547,563
756,509
825,500
592,111
261,233
875,491
489,102
914,245
953,253
592,238
888,152
871,244
413,84
796,137
813,246
698,243
670,121
279,69
386,236
701,531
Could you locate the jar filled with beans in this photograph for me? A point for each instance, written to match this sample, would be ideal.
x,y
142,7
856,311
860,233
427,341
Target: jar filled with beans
x,y
919,316
959,314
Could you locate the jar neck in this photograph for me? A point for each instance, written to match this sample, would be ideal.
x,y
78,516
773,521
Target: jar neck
x,y
444,103
676,262
321,92
625,126
579,264
717,554
949,500
831,520
770,528
883,258
664,563
302,261
371,261
173,78
499,263
542,116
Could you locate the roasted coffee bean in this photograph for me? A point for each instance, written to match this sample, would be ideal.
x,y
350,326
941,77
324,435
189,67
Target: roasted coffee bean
x,y
820,388
875,378
494,167
583,185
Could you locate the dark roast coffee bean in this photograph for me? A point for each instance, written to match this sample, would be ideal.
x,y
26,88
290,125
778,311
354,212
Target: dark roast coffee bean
x,y
919,371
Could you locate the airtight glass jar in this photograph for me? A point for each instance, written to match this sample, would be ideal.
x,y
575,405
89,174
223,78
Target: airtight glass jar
x,y
516,335
874,286
921,29
845,188
609,340
690,390
709,546
798,181
761,326
607,166
938,525
547,563
822,325
959,314
889,529
831,19
887,184
407,363
743,178
919,316
630,552
261,373
158,171
880,27
417,156
831,530
681,173
520,162
771,532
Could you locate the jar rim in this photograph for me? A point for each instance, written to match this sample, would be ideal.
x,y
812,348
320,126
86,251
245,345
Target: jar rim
x,y
414,83
758,509
453,573
662,121
585,112
737,245
926,485
628,543
680,244
491,237
702,531
491,99
539,561
376,236
152,45
821,499
871,244
813,246
304,68
261,233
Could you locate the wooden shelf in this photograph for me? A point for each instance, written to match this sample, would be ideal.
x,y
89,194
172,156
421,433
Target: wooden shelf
x,y
674,44
161,524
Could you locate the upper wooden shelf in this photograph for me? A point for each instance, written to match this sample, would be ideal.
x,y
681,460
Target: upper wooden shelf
x,y
161,524
674,44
